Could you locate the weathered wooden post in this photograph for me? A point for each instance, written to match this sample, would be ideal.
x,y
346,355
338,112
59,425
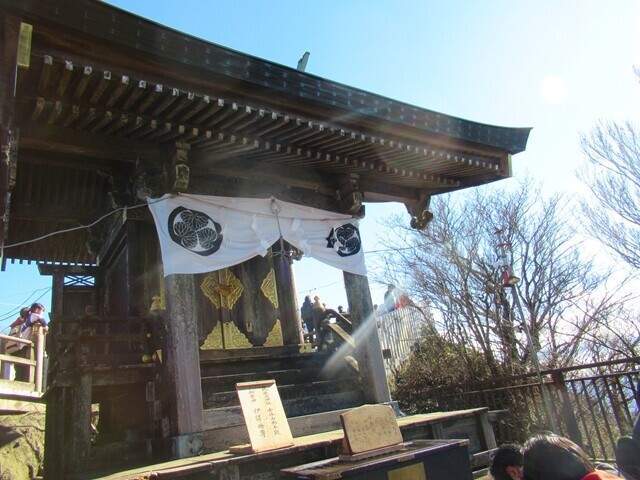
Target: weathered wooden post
x,y
368,351
39,344
285,284
182,361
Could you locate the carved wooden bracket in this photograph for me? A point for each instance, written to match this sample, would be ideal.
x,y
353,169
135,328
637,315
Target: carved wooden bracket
x,y
419,211
179,172
349,196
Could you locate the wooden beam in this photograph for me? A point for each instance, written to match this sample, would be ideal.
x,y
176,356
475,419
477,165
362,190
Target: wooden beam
x,y
107,117
119,90
284,176
55,112
71,117
166,102
88,117
151,97
102,86
63,83
37,110
82,84
134,94
71,215
62,140
45,73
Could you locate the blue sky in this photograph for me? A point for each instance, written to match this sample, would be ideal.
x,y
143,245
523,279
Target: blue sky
x,y
559,67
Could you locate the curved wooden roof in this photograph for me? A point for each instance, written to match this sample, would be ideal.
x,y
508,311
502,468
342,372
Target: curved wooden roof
x,y
111,102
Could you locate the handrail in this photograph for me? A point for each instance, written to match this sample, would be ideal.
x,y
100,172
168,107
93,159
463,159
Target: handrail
x,y
593,409
15,339
35,362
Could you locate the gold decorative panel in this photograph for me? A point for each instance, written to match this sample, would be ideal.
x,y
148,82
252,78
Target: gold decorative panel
x,y
275,336
214,339
234,338
223,288
268,288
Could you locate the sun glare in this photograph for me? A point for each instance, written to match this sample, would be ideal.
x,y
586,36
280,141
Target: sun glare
x,y
553,89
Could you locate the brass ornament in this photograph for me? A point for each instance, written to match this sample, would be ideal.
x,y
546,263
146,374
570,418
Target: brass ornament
x,y
222,288
234,338
268,288
214,339
274,339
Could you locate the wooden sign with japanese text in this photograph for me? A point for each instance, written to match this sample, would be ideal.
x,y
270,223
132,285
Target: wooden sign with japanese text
x,y
370,427
264,415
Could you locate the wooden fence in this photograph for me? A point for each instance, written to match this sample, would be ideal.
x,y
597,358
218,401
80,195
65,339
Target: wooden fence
x,y
399,332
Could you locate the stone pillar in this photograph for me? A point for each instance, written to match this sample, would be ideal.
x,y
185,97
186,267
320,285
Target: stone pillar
x,y
365,334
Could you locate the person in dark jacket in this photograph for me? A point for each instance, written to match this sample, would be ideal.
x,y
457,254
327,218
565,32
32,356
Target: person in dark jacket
x,y
306,313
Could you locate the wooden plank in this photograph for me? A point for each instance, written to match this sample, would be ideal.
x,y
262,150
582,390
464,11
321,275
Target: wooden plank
x,y
15,385
295,407
17,360
264,416
338,330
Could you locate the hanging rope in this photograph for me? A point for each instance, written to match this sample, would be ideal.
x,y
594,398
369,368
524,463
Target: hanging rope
x,y
276,209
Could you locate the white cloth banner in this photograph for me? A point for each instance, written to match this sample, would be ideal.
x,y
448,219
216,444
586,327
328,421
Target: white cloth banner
x,y
200,233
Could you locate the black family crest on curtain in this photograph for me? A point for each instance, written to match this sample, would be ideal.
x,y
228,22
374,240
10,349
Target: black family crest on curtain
x,y
195,231
347,237
191,230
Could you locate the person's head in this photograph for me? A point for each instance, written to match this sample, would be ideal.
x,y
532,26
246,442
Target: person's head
x,y
390,288
551,457
24,311
307,299
37,308
506,463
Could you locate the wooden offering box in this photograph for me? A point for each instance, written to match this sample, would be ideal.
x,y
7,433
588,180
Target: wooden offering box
x,y
419,460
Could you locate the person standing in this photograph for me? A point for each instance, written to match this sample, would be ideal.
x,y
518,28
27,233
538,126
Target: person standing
x,y
306,313
319,314
15,348
24,311
390,298
33,319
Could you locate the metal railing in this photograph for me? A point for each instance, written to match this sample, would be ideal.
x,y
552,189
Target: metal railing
x,y
594,404
32,362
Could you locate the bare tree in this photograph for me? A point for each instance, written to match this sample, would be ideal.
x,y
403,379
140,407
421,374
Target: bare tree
x,y
451,267
612,212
